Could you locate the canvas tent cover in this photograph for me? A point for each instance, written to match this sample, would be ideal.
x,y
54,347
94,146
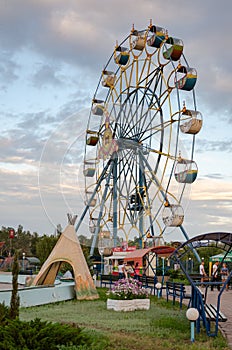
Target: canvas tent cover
x,y
219,257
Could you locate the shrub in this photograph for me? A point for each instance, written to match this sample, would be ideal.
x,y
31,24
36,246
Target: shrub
x,y
4,314
37,335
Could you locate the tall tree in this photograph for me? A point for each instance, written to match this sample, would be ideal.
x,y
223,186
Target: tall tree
x,y
14,303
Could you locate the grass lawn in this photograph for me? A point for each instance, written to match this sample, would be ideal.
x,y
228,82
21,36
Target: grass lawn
x,y
162,327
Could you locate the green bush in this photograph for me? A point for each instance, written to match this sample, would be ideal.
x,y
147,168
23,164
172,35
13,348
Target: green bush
x,y
37,335
4,314
173,274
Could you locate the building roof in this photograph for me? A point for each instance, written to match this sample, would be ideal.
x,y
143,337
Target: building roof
x,y
117,256
159,250
138,253
163,250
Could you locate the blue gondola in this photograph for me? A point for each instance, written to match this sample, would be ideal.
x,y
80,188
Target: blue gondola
x,y
122,55
157,37
185,171
188,80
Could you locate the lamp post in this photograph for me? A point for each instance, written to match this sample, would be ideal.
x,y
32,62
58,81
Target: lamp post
x,y
158,287
190,265
24,254
101,247
192,315
163,266
101,252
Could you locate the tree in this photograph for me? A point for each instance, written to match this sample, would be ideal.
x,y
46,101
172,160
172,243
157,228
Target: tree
x,y
14,303
44,247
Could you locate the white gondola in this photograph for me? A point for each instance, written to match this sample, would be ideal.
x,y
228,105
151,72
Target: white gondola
x,y
185,171
108,79
89,168
92,225
98,107
89,172
191,122
105,242
92,203
138,43
173,215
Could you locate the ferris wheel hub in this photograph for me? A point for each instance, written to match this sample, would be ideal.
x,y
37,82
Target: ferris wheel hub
x,y
124,143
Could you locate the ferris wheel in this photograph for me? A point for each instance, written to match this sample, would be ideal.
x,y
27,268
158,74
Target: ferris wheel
x,y
140,139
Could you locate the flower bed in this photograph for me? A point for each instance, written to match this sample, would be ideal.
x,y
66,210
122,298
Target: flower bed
x,y
128,289
128,295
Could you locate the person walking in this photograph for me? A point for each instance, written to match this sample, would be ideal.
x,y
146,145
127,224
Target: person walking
x,y
224,274
121,270
136,271
215,275
203,274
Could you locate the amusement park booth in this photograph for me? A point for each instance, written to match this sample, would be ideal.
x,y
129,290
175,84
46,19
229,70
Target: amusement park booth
x,y
152,261
118,254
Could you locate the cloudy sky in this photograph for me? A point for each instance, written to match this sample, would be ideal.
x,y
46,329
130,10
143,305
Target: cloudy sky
x,y
51,56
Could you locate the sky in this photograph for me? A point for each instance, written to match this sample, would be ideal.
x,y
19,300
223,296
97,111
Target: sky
x,y
52,53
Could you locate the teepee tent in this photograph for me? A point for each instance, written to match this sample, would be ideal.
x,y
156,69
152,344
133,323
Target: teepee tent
x,y
68,249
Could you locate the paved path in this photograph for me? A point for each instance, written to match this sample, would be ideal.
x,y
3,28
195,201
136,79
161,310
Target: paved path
x,y
226,308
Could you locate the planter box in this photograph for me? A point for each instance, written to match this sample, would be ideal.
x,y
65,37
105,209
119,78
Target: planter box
x,y
142,304
128,305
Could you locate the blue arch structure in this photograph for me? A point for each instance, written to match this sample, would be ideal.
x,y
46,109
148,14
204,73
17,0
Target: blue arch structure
x,y
222,240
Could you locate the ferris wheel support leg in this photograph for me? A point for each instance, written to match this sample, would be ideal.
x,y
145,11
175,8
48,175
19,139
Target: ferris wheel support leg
x,y
149,205
191,246
115,203
101,209
153,175
141,184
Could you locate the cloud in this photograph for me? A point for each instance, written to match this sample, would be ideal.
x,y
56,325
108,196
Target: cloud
x,y
46,75
204,145
52,55
8,70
